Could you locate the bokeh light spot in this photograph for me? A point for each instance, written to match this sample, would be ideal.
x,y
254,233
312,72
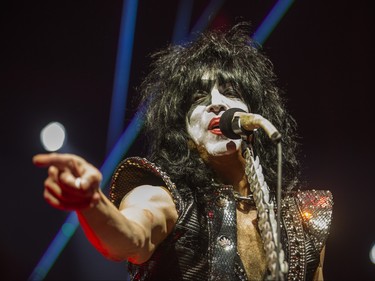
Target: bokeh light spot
x,y
53,136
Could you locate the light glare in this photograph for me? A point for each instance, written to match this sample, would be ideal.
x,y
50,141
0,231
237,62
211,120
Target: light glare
x,y
372,253
53,136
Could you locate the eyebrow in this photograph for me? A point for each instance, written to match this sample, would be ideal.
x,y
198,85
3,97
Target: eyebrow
x,y
205,84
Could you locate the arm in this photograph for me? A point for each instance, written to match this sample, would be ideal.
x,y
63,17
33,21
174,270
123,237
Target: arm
x,y
146,215
318,275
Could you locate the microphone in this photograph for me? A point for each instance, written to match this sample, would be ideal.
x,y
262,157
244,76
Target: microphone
x,y
236,122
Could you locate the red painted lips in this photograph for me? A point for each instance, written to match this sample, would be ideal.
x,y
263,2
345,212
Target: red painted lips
x,y
213,126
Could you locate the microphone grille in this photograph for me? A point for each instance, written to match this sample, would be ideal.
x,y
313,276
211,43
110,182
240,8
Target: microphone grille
x,y
225,123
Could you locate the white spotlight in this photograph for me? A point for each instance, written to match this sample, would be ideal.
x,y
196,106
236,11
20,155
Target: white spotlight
x,y
372,253
53,136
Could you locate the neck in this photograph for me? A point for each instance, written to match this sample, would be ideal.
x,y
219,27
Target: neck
x,y
230,169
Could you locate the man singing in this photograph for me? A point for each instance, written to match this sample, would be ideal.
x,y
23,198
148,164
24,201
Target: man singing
x,y
200,205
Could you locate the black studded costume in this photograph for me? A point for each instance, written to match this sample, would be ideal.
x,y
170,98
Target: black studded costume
x,y
203,245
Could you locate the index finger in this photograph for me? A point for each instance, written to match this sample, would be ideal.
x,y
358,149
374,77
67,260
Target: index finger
x,y
56,159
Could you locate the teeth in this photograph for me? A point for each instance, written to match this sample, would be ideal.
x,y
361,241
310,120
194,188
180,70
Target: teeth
x,y
214,124
214,127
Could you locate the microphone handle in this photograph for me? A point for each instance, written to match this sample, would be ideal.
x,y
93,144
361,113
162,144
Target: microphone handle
x,y
250,121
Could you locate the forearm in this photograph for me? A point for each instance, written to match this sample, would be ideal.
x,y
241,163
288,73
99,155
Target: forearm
x,y
318,276
144,220
112,233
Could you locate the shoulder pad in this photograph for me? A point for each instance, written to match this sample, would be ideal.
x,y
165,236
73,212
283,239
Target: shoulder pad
x,y
315,207
136,171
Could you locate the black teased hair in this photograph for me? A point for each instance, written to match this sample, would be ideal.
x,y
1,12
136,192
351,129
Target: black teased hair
x,y
177,71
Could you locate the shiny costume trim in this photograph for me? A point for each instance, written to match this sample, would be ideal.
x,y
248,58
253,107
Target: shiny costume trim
x,y
221,217
307,217
315,207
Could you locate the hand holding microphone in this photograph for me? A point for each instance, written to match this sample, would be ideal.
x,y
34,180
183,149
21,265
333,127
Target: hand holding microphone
x,y
236,122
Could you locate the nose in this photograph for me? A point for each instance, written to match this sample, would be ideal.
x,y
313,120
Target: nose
x,y
217,102
217,108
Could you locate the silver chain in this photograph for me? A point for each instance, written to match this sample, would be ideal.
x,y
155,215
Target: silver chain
x,y
267,223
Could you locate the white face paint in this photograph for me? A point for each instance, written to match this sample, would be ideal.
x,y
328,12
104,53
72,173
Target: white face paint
x,y
204,117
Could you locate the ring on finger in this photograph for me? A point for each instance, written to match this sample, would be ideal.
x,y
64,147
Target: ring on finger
x,y
77,183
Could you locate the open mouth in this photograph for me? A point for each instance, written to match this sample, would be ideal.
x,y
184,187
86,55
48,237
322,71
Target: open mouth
x,y
214,127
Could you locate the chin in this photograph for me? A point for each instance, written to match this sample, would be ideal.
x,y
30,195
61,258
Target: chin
x,y
223,148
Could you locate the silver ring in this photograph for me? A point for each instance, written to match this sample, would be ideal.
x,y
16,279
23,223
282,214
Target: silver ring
x,y
77,183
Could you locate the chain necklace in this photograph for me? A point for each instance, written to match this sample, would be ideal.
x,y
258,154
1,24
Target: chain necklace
x,y
249,199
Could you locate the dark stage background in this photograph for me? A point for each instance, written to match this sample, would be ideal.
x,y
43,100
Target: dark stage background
x,y
57,64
